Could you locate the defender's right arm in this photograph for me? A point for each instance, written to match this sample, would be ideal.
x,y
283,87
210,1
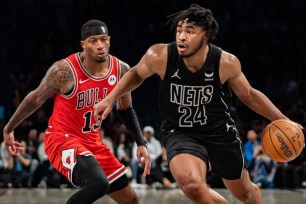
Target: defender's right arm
x,y
59,77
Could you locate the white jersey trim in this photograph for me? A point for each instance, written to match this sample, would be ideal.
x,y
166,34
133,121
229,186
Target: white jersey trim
x,y
119,175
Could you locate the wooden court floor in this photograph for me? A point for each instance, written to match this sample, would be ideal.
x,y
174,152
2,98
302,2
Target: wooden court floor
x,y
146,196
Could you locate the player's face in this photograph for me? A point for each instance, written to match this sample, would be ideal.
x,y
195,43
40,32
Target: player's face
x,y
97,47
189,38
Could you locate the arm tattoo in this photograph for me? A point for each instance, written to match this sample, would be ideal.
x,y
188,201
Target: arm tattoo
x,y
64,75
59,76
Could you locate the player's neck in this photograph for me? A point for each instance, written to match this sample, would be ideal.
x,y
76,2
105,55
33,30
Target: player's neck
x,y
196,61
97,69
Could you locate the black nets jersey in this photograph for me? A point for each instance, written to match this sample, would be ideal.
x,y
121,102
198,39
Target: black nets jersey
x,y
195,102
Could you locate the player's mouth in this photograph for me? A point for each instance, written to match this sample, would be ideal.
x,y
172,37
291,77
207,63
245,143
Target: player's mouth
x,y
181,47
101,54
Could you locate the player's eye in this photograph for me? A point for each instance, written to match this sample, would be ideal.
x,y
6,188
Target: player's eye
x,y
190,31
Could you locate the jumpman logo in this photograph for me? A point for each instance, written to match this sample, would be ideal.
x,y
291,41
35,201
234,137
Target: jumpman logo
x,y
176,74
230,126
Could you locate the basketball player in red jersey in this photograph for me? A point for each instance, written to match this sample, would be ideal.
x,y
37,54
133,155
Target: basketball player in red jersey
x,y
72,140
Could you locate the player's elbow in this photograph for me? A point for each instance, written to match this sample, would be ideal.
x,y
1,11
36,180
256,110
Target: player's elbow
x,y
137,76
248,97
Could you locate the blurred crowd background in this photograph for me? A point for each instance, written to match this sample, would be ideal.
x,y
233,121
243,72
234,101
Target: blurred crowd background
x,y
267,36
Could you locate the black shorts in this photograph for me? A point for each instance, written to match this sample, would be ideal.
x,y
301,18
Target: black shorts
x,y
223,151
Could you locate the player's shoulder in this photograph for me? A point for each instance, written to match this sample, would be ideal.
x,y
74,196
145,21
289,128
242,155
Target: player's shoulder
x,y
157,49
124,67
123,64
228,59
60,66
229,65
60,63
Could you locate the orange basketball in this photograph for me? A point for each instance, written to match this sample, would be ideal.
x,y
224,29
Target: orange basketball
x,y
282,140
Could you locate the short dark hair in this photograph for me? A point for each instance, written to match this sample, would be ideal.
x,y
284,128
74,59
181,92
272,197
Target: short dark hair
x,y
200,16
88,28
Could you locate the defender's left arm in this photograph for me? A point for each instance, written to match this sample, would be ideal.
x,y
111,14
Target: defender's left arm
x,y
130,120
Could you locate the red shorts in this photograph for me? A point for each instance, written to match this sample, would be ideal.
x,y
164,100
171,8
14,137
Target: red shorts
x,y
62,150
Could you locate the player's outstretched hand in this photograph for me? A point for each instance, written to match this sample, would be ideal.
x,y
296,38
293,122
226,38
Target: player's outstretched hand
x,y
102,109
13,147
143,157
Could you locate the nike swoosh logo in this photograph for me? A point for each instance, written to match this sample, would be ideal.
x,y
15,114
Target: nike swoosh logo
x,y
83,81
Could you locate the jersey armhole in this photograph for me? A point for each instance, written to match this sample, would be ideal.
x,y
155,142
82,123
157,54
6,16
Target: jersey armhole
x,y
171,58
72,91
217,51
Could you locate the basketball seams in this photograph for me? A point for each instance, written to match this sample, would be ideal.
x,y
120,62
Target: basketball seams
x,y
294,125
276,149
301,135
275,124
282,130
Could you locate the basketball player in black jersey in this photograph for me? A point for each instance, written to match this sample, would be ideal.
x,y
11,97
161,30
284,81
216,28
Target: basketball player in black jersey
x,y
198,131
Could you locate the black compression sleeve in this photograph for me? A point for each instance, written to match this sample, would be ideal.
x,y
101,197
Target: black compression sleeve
x,y
130,120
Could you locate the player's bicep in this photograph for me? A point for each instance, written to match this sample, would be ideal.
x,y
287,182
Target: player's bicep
x,y
59,77
230,71
153,62
240,86
144,69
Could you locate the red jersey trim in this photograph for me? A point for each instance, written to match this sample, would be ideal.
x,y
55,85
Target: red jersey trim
x,y
119,67
110,67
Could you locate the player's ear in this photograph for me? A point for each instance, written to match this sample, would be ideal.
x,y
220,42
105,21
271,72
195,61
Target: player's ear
x,y
82,44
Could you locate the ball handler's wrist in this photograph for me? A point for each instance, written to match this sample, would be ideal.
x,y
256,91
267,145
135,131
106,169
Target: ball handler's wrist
x,y
144,143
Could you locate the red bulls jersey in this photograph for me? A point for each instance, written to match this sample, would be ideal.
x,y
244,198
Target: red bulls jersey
x,y
73,113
